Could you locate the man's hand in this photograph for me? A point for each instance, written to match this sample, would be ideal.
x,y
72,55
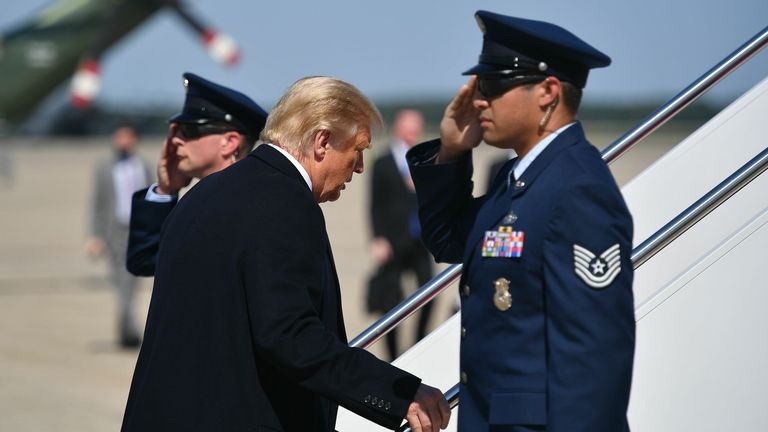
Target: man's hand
x,y
169,178
95,247
429,411
460,129
381,250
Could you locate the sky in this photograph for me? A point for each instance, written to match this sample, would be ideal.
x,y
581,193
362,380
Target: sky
x,y
397,49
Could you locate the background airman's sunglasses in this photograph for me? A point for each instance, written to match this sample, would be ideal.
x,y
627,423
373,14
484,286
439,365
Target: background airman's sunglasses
x,y
194,131
491,88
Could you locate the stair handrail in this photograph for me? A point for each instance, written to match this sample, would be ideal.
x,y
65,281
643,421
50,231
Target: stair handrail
x,y
686,97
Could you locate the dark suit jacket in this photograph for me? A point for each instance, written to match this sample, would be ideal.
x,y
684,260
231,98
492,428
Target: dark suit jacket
x,y
245,330
147,219
392,206
559,358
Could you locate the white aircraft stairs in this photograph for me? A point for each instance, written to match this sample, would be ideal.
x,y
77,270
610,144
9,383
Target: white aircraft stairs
x,y
701,236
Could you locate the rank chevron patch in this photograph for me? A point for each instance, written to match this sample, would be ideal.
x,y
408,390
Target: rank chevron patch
x,y
597,272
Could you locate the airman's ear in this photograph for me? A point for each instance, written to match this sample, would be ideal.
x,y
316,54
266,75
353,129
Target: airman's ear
x,y
230,141
549,92
321,142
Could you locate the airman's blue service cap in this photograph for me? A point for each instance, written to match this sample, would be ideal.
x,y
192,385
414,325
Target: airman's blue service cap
x,y
208,102
516,46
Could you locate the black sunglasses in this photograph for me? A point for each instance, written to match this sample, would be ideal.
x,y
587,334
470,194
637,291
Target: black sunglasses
x,y
190,131
491,88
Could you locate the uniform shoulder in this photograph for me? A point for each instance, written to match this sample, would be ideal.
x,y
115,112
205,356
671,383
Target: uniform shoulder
x,y
583,162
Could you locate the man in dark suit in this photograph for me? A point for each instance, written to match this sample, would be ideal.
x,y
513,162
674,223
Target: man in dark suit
x,y
397,247
548,330
245,329
216,127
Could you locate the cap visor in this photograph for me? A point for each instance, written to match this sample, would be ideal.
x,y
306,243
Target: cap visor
x,y
484,69
186,118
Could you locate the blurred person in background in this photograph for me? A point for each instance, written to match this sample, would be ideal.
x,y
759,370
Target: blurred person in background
x,y
216,127
6,166
115,180
396,247
7,171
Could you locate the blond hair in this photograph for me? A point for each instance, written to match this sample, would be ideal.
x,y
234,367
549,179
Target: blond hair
x,y
318,103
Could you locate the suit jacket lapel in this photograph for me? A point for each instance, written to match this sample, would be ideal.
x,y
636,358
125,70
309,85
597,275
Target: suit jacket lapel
x,y
496,199
566,139
336,292
278,161
394,170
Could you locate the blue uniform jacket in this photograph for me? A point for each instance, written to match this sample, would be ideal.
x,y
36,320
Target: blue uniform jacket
x,y
147,220
560,357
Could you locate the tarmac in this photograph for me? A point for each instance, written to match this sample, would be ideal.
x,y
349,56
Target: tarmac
x,y
60,366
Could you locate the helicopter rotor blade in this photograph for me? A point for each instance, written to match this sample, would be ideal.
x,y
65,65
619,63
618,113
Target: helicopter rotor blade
x,y
220,46
86,81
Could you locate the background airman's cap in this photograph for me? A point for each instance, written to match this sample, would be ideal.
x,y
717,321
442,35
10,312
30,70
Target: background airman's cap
x,y
208,102
516,46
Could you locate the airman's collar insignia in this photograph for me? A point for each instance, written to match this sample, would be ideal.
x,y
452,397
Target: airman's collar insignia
x,y
510,218
597,272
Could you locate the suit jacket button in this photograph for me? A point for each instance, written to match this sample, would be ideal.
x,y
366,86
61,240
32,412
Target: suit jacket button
x,y
367,399
464,378
466,290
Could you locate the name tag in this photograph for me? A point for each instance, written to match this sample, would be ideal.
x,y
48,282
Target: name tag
x,y
503,243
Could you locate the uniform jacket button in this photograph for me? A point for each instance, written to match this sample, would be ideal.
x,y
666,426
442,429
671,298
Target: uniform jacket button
x,y
466,290
463,332
375,400
464,378
367,399
381,404
388,406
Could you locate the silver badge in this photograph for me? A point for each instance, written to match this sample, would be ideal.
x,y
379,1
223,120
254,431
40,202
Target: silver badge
x,y
502,299
597,271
